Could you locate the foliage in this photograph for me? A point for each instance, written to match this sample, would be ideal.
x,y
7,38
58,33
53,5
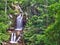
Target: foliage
x,y
52,32
43,24
3,23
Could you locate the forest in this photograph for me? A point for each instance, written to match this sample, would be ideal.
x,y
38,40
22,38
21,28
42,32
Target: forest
x,y
42,21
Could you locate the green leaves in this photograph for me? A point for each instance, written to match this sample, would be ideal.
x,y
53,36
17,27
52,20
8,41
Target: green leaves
x,y
3,34
52,32
43,26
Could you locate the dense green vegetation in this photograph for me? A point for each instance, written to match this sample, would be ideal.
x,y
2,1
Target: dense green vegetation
x,y
43,22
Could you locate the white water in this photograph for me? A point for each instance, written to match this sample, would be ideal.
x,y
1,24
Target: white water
x,y
19,26
13,38
19,23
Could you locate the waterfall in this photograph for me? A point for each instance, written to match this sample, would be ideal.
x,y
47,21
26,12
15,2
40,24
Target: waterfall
x,y
13,38
19,24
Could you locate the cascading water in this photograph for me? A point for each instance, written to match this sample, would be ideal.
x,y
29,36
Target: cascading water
x,y
13,38
19,24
